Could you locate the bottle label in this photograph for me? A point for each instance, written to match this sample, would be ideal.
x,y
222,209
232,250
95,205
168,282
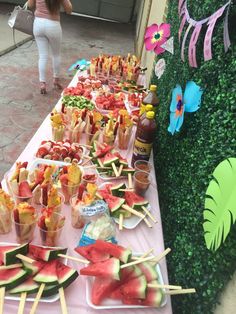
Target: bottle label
x,y
143,149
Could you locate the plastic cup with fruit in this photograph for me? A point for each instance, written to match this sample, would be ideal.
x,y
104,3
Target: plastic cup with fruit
x,y
6,208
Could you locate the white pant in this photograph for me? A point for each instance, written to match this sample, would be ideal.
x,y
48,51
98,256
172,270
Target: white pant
x,y
47,34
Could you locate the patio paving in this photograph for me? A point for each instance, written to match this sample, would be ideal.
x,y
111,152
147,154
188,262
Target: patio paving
x,y
22,107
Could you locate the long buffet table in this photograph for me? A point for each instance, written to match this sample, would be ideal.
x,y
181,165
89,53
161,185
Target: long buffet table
x,y
140,239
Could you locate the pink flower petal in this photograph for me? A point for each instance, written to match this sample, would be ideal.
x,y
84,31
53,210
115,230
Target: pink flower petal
x,y
158,50
166,29
148,44
151,30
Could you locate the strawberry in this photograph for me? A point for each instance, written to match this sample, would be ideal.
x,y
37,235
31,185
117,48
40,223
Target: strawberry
x,y
42,151
45,195
81,191
24,189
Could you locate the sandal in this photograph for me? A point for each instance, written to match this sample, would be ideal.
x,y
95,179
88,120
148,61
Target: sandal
x,y
56,84
43,88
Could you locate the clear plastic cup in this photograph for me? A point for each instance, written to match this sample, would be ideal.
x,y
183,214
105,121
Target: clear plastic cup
x,y
51,238
73,135
143,165
21,199
124,135
89,175
58,133
68,191
77,219
24,232
5,221
142,181
108,139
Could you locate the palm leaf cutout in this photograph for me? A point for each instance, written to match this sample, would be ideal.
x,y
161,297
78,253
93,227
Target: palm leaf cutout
x,y
220,204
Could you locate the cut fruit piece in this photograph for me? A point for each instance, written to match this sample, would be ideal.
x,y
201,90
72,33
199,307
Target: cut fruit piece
x,y
148,270
45,254
109,159
102,288
10,278
8,253
48,274
24,189
126,171
135,288
65,275
100,152
115,189
50,290
29,286
91,254
33,268
134,200
153,299
114,203
115,250
109,268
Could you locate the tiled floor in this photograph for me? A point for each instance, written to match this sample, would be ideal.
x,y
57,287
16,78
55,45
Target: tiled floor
x,y
22,108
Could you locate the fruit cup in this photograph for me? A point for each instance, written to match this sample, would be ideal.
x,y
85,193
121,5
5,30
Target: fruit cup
x,y
58,133
56,208
89,176
124,135
142,181
69,190
73,134
91,137
50,236
21,199
77,220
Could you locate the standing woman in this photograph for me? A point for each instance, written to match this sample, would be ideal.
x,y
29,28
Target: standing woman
x,y
48,33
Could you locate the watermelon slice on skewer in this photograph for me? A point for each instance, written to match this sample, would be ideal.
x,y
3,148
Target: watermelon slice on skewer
x,y
135,288
10,278
148,270
115,250
29,286
135,201
65,275
8,254
102,288
109,268
92,254
45,254
48,274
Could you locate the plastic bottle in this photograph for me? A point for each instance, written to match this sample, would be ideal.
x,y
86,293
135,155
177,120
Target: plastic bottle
x,y
144,137
151,97
144,110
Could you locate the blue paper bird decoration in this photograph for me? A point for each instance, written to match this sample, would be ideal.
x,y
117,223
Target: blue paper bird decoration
x,y
79,64
180,104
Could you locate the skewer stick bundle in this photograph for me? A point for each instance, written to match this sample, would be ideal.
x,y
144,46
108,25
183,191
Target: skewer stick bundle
x,y
138,261
149,214
183,291
159,286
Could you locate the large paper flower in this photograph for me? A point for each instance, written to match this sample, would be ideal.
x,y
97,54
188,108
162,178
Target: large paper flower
x,y
155,36
179,105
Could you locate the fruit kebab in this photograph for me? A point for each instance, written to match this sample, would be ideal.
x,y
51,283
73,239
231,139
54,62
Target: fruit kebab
x,y
76,127
51,198
124,129
58,128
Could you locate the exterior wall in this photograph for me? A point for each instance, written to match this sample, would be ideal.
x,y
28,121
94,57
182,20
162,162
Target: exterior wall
x,y
154,11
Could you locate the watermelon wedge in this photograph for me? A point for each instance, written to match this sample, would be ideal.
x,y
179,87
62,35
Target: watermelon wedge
x,y
115,250
109,159
48,274
45,254
91,254
114,203
134,200
50,290
29,286
148,270
24,189
100,152
65,275
10,278
33,268
102,288
135,288
115,189
8,253
109,268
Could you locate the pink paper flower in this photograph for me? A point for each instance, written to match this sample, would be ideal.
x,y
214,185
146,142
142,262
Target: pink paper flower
x,y
156,36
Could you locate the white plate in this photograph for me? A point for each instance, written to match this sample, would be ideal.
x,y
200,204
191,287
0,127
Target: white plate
x,y
110,304
133,221
31,297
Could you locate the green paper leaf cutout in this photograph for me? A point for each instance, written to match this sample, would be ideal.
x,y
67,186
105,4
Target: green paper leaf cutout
x,y
220,204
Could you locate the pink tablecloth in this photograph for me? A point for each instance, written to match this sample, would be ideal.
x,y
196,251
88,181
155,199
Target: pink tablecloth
x,y
139,239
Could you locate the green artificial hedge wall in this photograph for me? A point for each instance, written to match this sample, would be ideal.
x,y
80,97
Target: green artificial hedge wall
x,y
184,162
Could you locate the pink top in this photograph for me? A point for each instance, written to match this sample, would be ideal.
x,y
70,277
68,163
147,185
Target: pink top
x,y
43,12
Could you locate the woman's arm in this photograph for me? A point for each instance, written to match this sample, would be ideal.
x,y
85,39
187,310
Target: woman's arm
x,y
31,4
67,6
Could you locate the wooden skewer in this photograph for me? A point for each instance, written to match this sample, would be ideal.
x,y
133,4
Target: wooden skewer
x,y
86,162
158,258
22,303
120,169
144,255
63,301
149,214
10,266
138,261
183,291
74,258
2,296
25,258
147,223
37,298
133,211
109,168
164,286
130,183
126,190
115,169
121,219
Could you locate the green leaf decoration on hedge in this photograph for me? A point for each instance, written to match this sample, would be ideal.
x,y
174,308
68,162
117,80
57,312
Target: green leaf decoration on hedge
x,y
220,204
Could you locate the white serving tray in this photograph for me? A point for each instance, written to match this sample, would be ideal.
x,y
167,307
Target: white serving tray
x,y
133,221
31,297
110,304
